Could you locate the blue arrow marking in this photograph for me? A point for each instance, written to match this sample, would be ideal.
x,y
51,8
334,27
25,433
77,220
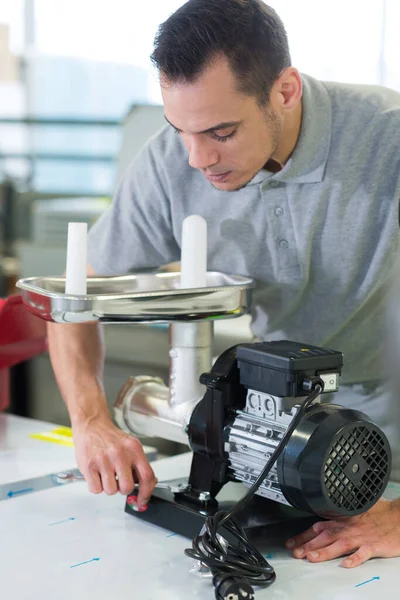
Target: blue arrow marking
x,y
64,521
84,563
269,555
18,492
369,580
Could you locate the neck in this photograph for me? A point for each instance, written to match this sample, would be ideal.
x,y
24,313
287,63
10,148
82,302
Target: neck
x,y
289,136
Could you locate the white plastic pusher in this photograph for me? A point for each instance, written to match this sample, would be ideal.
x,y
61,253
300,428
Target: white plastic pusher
x,y
146,406
194,253
75,277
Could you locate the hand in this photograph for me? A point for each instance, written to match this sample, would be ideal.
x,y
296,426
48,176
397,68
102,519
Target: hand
x,y
375,533
111,460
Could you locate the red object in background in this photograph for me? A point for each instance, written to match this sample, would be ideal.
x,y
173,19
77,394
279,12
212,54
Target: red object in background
x,y
22,336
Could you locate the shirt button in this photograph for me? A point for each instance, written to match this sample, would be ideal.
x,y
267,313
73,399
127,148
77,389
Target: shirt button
x,y
279,211
284,244
274,183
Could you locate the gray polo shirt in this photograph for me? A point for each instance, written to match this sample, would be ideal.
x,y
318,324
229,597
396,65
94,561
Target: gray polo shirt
x,y
319,236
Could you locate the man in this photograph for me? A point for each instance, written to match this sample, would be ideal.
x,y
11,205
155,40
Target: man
x,y
299,183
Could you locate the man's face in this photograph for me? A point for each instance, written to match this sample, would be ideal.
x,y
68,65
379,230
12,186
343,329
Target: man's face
x,y
228,135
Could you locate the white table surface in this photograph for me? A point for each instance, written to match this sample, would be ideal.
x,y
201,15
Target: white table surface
x,y
22,457
48,541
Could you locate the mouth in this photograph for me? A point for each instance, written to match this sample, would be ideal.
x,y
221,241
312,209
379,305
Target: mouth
x,y
218,178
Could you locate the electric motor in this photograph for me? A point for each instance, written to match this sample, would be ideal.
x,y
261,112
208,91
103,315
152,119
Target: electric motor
x,y
336,462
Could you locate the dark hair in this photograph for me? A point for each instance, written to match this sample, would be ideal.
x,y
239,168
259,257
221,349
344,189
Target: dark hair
x,y
248,32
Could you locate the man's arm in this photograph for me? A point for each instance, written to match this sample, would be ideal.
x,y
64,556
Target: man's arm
x,y
376,533
109,459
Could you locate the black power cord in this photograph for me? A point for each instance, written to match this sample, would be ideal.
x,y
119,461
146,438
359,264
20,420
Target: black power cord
x,y
236,567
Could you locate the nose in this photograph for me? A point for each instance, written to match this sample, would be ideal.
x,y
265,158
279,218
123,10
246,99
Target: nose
x,y
201,154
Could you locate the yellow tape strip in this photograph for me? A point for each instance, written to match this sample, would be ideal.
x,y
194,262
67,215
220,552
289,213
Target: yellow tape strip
x,y
61,436
65,431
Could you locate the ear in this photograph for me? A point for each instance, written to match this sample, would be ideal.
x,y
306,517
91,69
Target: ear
x,y
287,89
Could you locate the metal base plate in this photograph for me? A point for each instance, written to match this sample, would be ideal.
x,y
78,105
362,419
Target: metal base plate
x,y
174,513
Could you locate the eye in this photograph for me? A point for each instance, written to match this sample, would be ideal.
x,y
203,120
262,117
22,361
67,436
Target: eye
x,y
177,130
222,138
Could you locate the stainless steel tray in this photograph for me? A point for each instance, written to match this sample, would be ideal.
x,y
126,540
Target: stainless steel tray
x,y
144,297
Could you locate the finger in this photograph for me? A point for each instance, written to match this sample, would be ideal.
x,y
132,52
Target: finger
x,y
338,548
107,474
323,525
363,554
304,537
92,477
322,540
126,482
147,482
146,477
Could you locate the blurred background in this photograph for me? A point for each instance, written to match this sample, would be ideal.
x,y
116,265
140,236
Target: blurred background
x,y
78,99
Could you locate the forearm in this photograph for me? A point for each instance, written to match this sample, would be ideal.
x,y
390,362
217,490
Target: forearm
x,y
77,357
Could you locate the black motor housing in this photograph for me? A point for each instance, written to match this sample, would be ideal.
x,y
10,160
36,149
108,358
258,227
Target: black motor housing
x,y
337,462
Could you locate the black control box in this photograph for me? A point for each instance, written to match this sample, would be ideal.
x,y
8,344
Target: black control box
x,y
280,368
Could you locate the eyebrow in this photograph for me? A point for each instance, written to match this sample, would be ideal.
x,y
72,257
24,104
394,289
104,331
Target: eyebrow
x,y
224,125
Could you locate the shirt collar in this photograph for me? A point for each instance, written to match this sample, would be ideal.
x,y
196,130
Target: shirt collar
x,y
308,160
